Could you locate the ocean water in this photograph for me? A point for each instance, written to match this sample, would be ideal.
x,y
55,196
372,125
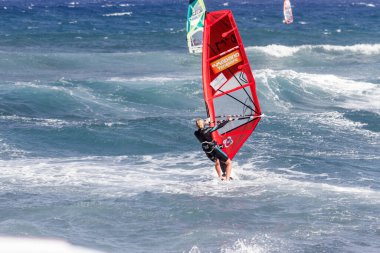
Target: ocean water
x,y
97,103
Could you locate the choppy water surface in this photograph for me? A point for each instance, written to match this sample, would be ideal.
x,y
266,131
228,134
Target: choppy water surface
x,y
97,101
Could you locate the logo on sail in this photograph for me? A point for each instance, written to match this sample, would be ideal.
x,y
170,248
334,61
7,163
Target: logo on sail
x,y
227,142
226,61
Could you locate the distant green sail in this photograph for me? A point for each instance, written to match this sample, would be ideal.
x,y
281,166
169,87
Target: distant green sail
x,y
194,26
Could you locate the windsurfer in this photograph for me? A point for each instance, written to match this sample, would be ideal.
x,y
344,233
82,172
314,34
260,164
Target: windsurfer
x,y
212,149
288,15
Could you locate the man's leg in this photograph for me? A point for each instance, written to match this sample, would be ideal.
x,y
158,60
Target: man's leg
x,y
217,163
223,167
228,164
222,157
217,168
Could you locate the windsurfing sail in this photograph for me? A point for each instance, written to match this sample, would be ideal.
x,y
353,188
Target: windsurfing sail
x,y
194,27
228,83
288,14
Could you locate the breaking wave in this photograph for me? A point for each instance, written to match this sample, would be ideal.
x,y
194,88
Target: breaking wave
x,y
287,51
317,90
118,14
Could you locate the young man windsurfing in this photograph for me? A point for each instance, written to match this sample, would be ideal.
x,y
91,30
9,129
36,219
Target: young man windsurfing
x,y
222,163
229,91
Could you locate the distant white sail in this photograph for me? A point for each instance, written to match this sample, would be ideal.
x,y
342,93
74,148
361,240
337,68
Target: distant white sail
x,y
288,14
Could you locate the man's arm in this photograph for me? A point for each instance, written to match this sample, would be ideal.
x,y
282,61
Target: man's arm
x,y
221,124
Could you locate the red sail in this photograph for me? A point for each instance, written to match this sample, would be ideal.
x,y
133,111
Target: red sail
x,y
228,84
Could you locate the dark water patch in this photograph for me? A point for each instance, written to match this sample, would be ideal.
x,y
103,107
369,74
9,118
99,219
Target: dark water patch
x,y
139,136
370,120
40,100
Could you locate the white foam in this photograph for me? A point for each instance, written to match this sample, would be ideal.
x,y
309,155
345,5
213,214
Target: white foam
x,y
153,79
190,174
10,151
38,85
107,5
73,4
277,50
349,94
338,122
294,185
39,245
242,246
366,49
117,14
59,123
194,249
357,95
280,51
371,5
261,243
41,121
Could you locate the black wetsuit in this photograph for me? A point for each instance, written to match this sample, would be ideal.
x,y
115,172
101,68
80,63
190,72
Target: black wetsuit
x,y
209,146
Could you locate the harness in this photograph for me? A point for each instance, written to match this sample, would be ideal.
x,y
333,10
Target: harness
x,y
208,146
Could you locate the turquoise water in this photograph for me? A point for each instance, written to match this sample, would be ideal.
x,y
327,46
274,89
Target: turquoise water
x,y
97,102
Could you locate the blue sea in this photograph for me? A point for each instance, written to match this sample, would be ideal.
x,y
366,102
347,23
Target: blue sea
x,y
97,106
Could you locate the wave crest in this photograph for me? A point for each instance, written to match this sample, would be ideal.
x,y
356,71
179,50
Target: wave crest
x,y
117,14
329,90
286,51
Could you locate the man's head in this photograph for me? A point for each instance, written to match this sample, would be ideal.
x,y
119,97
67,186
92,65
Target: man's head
x,y
200,123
